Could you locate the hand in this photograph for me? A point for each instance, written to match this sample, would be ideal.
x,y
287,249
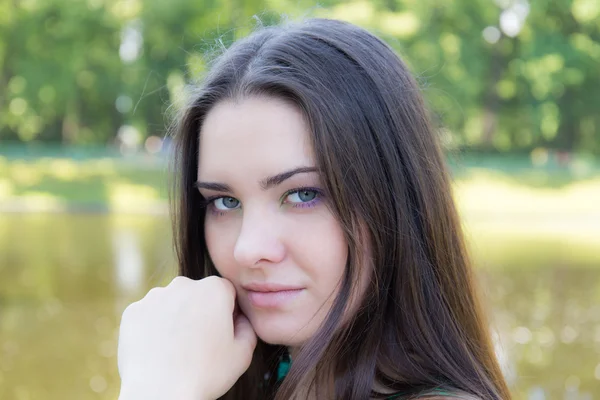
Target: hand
x,y
184,342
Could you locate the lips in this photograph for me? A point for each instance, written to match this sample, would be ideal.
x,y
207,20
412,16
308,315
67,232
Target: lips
x,y
269,287
271,295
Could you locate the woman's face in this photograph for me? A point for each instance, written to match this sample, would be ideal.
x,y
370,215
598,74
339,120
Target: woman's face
x,y
268,226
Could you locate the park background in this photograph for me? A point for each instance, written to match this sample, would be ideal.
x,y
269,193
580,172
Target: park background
x,y
87,89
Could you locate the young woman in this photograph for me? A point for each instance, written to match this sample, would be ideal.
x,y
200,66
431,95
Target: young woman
x,y
313,210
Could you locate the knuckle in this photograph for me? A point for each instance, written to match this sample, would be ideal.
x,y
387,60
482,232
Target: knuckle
x,y
225,288
179,280
212,282
226,285
129,310
212,279
218,288
154,292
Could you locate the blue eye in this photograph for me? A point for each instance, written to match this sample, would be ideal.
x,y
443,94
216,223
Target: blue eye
x,y
302,196
226,203
296,198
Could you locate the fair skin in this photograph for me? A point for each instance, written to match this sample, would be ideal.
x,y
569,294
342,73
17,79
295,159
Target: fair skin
x,y
284,234
273,239
169,350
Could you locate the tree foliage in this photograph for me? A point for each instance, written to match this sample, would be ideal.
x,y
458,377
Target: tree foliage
x,y
503,75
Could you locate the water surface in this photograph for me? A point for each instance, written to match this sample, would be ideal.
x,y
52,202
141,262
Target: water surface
x,y
66,278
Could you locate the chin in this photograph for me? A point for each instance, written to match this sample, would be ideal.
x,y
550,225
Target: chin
x,y
277,331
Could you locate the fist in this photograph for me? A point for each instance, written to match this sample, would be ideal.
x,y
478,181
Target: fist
x,y
184,341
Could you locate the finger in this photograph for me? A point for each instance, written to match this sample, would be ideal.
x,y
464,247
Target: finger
x,y
229,287
180,280
227,292
244,337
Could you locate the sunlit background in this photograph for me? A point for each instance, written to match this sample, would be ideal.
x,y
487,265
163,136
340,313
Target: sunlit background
x,y
86,91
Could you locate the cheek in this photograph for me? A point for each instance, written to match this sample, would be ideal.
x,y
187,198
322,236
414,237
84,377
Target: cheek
x,y
220,241
322,253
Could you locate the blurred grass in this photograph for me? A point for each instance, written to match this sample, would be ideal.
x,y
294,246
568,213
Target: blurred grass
x,y
484,186
64,184
488,191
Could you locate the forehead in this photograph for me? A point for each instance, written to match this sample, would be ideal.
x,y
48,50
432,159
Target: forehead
x,y
256,135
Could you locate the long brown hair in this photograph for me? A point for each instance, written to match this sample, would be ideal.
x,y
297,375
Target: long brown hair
x,y
420,326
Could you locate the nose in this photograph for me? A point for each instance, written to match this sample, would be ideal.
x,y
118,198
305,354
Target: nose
x,y
259,241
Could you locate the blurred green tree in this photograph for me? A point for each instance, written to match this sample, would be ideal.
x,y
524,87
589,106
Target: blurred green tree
x,y
501,75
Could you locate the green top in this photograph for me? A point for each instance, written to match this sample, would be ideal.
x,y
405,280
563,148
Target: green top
x,y
285,364
283,367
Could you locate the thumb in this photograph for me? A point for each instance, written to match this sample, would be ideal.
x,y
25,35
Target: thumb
x,y
244,336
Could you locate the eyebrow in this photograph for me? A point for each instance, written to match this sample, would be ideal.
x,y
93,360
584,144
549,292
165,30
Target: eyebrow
x,y
265,184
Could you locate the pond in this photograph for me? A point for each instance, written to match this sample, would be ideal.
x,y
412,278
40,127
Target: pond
x,y
66,278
